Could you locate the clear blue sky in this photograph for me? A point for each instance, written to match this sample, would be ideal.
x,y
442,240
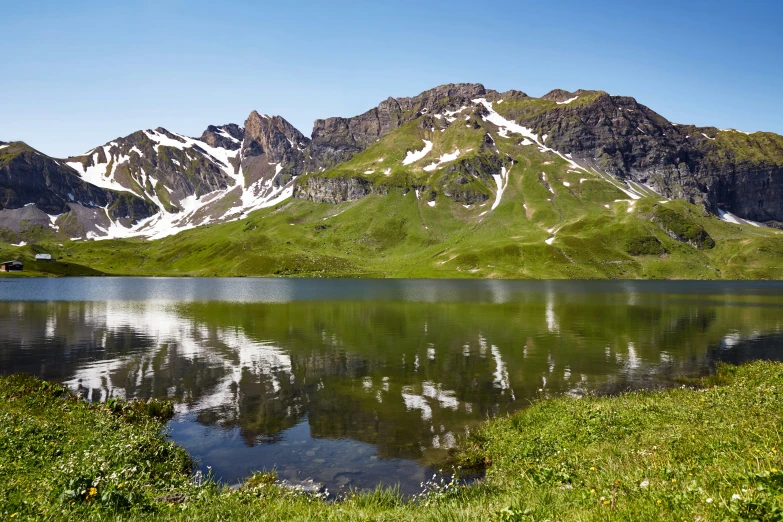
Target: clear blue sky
x,y
77,74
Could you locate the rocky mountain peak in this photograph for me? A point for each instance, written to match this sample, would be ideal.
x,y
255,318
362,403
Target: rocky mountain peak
x,y
272,136
170,135
444,95
335,140
559,95
225,136
510,95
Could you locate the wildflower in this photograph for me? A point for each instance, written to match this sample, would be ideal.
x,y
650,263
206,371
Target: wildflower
x,y
592,492
660,501
709,501
736,497
606,502
644,483
92,492
592,468
674,480
774,470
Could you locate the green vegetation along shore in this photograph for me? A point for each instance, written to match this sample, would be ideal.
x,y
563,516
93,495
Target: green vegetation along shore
x,y
709,450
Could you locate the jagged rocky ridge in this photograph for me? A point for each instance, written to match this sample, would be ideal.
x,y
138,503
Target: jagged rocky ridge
x,y
154,183
723,170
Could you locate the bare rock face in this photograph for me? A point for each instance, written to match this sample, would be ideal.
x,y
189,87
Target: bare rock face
x,y
716,169
560,95
141,164
276,142
334,190
335,140
228,136
29,177
15,219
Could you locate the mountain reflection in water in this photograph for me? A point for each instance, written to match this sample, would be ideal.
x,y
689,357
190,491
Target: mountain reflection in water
x,y
369,381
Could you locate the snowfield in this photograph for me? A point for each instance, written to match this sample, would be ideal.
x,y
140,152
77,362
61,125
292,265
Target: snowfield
x,y
261,194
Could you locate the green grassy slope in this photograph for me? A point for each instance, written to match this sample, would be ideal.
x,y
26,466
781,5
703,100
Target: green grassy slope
x,y
706,453
594,229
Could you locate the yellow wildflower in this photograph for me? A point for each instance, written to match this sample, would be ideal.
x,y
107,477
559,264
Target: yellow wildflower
x,y
92,492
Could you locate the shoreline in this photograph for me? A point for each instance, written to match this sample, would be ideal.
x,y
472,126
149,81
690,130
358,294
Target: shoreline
x,y
692,451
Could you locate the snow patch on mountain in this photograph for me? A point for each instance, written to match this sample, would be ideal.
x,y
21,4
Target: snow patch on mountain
x,y
731,218
501,180
193,210
96,174
445,158
416,155
566,102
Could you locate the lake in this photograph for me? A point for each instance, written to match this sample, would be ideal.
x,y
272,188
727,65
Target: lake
x,y
355,383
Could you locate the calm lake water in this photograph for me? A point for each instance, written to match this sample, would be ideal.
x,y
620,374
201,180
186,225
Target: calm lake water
x,y
359,382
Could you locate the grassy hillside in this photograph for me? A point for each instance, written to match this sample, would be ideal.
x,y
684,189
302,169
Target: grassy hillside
x,y
552,221
696,453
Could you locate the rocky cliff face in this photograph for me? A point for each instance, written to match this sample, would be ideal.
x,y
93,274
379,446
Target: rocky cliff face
x,y
335,140
228,137
28,177
272,141
729,170
161,166
334,190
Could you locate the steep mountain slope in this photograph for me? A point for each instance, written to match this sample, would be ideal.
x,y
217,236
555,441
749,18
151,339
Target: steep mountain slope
x,y
721,169
220,176
39,193
459,180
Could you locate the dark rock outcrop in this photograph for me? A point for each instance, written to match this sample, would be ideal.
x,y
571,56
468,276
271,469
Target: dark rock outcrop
x,y
216,136
717,169
335,140
140,164
323,189
271,141
28,177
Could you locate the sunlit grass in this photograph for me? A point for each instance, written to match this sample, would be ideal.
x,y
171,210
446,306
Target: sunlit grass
x,y
707,451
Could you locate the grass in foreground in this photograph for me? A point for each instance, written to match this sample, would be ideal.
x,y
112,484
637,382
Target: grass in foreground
x,y
707,452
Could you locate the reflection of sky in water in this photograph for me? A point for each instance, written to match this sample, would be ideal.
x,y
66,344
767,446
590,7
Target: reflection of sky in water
x,y
367,381
340,463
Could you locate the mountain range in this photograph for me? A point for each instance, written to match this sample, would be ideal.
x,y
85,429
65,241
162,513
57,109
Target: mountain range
x,y
584,178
